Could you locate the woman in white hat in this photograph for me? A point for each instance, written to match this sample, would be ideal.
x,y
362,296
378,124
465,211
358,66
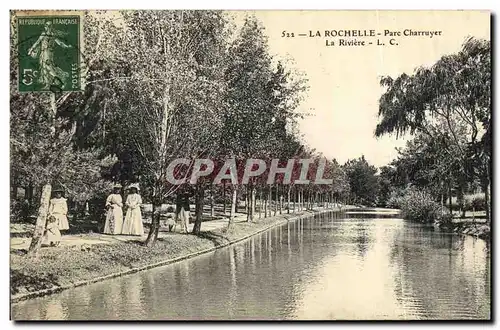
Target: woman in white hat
x,y
133,219
59,209
114,213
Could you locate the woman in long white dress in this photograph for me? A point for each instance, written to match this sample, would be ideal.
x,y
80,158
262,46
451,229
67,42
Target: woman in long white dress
x,y
59,209
133,219
182,211
114,214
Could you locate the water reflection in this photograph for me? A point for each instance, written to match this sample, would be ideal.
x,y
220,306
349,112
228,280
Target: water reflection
x,y
331,267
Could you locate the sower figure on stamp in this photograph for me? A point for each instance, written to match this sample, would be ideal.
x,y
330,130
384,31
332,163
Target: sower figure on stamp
x,y
44,48
182,211
114,213
59,209
133,220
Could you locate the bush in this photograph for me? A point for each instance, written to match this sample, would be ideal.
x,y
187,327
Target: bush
x,y
475,202
471,202
418,205
395,199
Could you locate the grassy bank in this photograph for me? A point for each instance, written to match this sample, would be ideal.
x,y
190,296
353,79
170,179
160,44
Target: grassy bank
x,y
59,268
480,230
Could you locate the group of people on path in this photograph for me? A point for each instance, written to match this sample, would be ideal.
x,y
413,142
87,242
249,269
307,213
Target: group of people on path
x,y
57,219
115,224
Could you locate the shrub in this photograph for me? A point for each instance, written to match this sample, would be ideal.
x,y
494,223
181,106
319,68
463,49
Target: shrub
x,y
418,205
395,199
471,202
475,202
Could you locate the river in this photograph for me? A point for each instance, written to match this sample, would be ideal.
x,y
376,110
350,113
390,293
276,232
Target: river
x,y
341,266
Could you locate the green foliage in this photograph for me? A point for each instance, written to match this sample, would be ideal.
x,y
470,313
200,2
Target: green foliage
x,y
385,182
363,181
418,205
471,202
475,202
42,150
447,107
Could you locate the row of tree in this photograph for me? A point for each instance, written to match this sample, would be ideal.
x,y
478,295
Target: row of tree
x,y
162,85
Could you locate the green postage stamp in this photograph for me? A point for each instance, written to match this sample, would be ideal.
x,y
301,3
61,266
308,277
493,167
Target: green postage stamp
x,y
49,51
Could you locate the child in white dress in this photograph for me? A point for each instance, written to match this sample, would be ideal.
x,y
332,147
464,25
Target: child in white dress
x,y
59,209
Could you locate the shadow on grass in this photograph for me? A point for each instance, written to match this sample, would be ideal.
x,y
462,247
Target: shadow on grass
x,y
134,242
217,239
31,283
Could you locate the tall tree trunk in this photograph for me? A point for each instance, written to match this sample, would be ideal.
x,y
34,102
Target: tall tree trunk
x,y
301,200
155,220
29,193
247,198
449,198
260,203
41,220
212,206
487,181
200,192
269,201
298,200
442,198
13,191
288,205
276,201
247,202
485,185
232,214
281,199
294,202
487,202
224,197
252,203
460,197
265,205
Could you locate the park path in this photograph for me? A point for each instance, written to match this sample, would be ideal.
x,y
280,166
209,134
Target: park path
x,y
22,243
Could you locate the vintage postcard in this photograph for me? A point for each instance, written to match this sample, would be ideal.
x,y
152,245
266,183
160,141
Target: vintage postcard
x,y
250,165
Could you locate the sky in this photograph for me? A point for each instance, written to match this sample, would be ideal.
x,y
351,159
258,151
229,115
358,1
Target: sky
x,y
344,81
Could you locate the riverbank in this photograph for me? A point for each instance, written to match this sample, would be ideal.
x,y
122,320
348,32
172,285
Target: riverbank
x,y
59,268
480,230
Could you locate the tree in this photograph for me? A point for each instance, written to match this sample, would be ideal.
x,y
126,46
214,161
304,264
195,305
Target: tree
x,y
340,186
363,182
43,147
174,85
249,119
455,90
385,178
